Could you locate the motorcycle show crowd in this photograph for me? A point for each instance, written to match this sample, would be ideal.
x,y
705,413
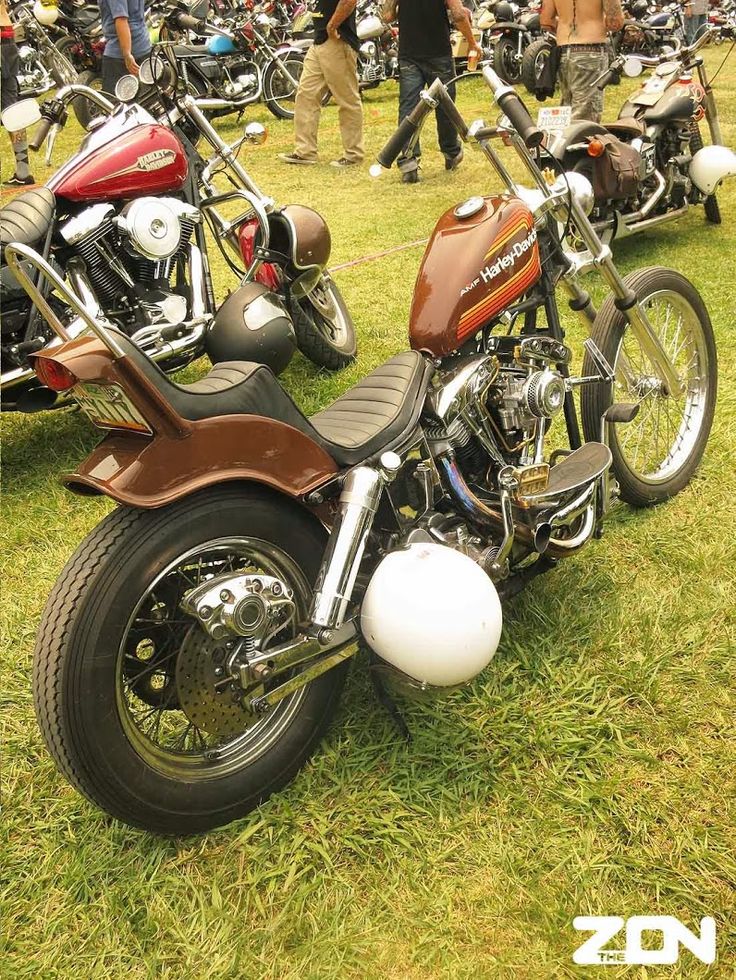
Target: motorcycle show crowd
x,y
333,50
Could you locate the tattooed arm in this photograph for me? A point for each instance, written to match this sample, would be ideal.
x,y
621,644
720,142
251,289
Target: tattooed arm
x,y
388,11
613,15
548,16
343,10
461,19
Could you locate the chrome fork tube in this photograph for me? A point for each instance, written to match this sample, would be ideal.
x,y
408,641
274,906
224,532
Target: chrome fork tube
x,y
711,110
358,504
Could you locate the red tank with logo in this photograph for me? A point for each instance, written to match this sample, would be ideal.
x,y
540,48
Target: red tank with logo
x,y
482,256
141,162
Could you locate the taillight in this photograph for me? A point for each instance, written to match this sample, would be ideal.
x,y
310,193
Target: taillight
x,y
53,373
596,148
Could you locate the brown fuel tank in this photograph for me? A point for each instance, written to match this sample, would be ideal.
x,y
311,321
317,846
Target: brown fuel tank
x,y
482,256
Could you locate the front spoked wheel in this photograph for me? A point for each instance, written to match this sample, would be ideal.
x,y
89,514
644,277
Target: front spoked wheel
x,y
656,454
136,702
325,331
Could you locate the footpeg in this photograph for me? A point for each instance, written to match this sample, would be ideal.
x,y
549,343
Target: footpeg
x,y
621,412
576,471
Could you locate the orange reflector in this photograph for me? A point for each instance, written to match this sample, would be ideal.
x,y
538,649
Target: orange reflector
x,y
53,374
596,148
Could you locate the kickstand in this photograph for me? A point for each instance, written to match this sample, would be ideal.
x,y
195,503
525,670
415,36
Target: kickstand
x,y
388,703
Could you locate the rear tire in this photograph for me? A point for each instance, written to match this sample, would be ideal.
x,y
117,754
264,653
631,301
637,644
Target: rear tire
x,y
115,608
325,332
505,63
532,63
656,454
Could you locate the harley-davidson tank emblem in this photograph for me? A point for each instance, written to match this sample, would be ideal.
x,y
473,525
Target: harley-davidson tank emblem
x,y
512,264
155,160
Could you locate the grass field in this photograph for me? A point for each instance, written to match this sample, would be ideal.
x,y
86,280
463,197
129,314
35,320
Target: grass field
x,y
590,769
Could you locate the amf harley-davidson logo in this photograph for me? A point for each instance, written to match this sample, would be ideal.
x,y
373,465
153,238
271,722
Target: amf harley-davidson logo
x,y
155,160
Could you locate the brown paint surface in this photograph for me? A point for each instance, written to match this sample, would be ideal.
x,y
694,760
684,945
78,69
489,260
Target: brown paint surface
x,y
449,305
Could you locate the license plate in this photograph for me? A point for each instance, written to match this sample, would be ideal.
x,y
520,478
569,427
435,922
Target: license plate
x,y
108,407
554,119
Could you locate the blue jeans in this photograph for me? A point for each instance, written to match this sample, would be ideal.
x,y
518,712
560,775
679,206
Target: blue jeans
x,y
414,75
694,27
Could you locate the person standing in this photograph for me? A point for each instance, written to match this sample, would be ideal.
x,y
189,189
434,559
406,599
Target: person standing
x,y
696,19
425,53
9,66
581,28
331,65
126,40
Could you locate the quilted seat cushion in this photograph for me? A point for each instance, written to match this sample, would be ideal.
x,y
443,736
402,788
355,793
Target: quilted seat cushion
x,y
27,217
377,410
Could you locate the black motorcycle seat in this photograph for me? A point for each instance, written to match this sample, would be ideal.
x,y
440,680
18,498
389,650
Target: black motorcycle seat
x,y
192,50
27,217
372,416
628,126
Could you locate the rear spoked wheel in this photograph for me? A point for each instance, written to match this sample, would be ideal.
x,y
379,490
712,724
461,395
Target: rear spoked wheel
x,y
136,701
656,454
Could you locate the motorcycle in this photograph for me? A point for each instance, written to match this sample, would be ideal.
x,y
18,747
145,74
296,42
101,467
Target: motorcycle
x,y
238,65
124,220
80,39
378,56
658,132
42,65
193,650
650,34
514,30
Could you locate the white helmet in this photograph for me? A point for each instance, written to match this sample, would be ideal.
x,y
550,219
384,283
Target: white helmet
x,y
45,13
710,165
432,613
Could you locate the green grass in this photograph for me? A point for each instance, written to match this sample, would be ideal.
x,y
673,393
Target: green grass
x,y
588,770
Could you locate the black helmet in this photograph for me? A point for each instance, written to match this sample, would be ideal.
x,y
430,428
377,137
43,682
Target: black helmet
x,y
639,8
252,325
503,11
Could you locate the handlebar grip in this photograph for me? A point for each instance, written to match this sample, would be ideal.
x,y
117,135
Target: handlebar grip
x,y
41,133
186,22
403,134
612,77
512,106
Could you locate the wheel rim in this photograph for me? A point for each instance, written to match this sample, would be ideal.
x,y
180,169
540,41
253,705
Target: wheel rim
x,y
657,444
282,93
331,321
508,58
157,630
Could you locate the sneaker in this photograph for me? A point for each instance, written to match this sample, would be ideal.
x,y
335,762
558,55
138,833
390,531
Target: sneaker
x,y
410,177
295,158
16,181
452,163
343,162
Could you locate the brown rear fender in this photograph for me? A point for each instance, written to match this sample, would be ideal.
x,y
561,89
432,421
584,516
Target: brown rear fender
x,y
142,472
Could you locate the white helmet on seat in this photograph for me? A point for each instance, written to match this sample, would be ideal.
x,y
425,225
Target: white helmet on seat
x,y
432,613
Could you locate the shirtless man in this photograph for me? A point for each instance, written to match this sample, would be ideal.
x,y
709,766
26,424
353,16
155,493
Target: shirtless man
x,y
581,27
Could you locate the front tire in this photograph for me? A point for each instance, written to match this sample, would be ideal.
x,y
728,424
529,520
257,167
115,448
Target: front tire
x,y
62,70
107,673
655,455
325,332
84,110
278,92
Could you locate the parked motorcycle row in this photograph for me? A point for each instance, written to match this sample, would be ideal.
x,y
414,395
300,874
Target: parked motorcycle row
x,y
194,648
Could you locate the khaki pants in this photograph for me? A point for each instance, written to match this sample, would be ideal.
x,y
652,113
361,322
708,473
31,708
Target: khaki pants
x,y
329,67
578,72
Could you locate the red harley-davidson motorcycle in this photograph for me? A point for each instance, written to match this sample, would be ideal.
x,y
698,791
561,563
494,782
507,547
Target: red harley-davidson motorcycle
x,y
194,648
124,220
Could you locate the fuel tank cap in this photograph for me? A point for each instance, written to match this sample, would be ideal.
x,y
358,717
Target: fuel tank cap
x,y
468,208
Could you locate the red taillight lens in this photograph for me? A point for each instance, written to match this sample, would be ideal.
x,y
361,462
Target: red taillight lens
x,y
53,374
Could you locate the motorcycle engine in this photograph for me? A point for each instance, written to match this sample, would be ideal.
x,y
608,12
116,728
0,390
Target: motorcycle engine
x,y
130,257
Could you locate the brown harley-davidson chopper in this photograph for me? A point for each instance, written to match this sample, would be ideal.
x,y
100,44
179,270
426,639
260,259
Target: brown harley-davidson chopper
x,y
194,647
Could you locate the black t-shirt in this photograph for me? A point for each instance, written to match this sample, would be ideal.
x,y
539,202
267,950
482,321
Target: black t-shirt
x,y
424,29
324,11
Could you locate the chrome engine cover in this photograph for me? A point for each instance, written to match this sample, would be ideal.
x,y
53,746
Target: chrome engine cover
x,y
153,225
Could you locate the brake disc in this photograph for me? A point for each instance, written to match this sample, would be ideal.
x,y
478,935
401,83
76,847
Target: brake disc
x,y
205,695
